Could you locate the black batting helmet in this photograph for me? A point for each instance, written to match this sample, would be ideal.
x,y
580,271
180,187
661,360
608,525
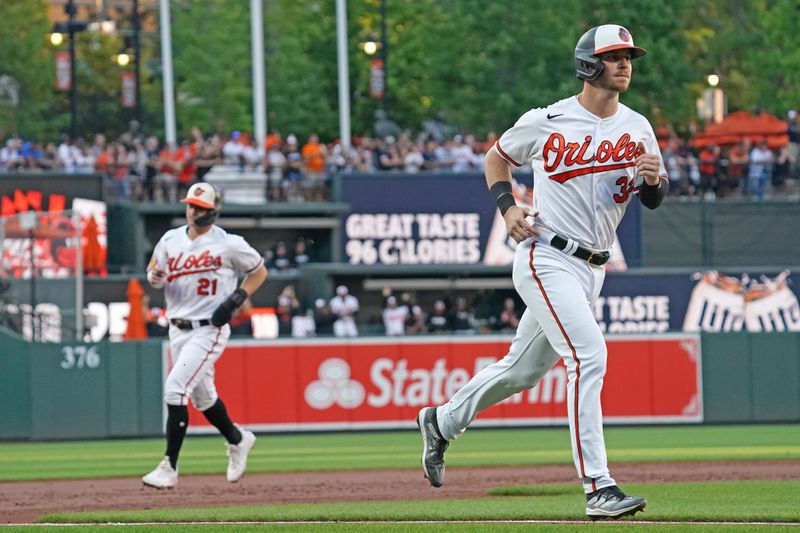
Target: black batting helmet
x,y
597,40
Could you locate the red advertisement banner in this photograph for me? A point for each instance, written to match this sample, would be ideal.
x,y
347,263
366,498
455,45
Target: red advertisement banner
x,y
382,383
63,72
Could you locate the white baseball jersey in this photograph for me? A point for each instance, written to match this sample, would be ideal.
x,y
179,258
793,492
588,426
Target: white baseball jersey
x,y
201,273
584,167
394,320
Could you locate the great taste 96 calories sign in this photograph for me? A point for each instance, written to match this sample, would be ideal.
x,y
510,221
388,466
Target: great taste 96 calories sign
x,y
330,384
413,238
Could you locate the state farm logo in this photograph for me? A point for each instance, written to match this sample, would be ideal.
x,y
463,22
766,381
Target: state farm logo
x,y
393,384
334,386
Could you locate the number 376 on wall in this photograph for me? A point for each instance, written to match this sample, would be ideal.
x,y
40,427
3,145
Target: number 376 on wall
x,y
78,357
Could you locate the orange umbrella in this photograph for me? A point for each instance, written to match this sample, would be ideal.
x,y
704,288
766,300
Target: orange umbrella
x,y
93,261
742,125
136,328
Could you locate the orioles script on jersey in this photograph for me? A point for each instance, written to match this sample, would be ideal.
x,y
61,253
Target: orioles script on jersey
x,y
557,150
205,262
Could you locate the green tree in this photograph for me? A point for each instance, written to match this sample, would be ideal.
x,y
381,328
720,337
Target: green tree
x,y
211,59
27,68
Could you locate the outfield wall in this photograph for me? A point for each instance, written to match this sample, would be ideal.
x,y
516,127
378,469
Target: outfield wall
x,y
106,390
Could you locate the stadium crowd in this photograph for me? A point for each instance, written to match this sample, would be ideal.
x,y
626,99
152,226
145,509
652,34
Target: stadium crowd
x,y
143,168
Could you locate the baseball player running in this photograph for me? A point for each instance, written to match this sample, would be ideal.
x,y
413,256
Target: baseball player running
x,y
590,155
197,265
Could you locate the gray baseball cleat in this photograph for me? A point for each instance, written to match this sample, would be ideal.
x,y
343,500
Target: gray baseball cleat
x,y
433,446
611,502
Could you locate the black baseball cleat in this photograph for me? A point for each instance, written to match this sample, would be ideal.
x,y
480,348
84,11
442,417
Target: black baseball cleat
x,y
433,446
611,502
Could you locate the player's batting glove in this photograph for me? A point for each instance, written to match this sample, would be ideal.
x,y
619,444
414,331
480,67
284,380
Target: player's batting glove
x,y
223,314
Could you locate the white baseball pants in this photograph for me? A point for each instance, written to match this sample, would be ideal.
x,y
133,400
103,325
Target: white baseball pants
x,y
558,322
194,353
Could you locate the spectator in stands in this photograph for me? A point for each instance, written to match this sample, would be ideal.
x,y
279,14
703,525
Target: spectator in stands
x,y
439,321
394,317
232,150
275,167
273,139
323,318
9,155
760,172
462,156
152,149
782,169
99,145
738,159
344,307
675,166
413,160
49,160
461,317
301,256
389,155
508,320
187,172
67,155
31,155
288,307
314,154
709,168
793,131
294,170
207,153
169,166
278,259
415,318
252,155
415,322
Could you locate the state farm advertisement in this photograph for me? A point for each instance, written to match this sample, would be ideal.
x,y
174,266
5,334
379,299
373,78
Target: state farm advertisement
x,y
382,383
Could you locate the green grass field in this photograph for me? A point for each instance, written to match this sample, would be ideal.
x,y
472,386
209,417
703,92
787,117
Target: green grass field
x,y
396,449
672,506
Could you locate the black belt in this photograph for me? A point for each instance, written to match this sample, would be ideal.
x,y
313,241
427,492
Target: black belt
x,y
595,258
183,323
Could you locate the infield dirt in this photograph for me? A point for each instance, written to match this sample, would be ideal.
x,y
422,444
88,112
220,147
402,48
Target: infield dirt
x,y
25,501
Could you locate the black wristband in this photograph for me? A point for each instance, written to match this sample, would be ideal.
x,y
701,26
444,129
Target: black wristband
x,y
238,297
503,196
651,195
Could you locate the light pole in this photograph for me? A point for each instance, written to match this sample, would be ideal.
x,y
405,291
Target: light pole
x,y
71,27
73,87
385,58
137,62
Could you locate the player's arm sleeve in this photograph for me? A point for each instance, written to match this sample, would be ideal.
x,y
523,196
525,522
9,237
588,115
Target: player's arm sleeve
x,y
244,258
518,143
651,195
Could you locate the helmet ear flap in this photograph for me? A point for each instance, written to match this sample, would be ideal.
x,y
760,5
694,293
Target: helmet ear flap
x,y
588,70
587,66
211,216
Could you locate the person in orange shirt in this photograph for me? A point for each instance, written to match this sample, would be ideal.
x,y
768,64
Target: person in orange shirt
x,y
273,139
314,155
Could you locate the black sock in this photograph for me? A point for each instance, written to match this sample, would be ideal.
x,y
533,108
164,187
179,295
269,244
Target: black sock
x,y
177,423
218,416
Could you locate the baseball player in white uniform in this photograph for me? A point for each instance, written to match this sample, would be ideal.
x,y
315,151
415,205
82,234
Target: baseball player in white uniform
x,y
197,265
344,305
591,155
